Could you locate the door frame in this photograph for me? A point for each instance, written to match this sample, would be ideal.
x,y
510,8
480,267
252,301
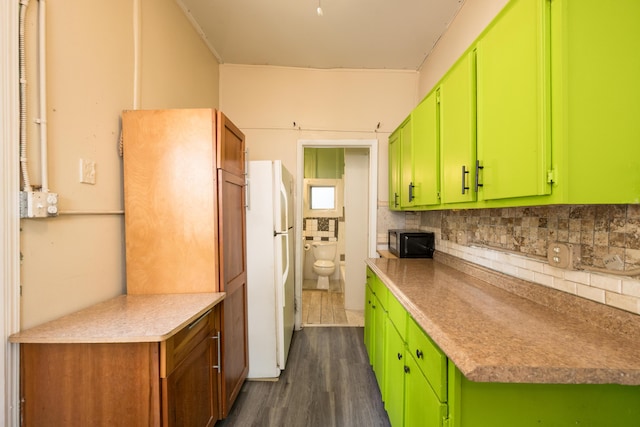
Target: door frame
x,y
9,212
372,145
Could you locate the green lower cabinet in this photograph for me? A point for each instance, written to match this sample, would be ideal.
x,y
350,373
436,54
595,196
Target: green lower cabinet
x,y
380,322
474,404
422,408
368,321
394,375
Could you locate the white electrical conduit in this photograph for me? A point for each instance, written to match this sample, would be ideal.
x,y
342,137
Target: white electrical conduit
x,y
23,98
42,74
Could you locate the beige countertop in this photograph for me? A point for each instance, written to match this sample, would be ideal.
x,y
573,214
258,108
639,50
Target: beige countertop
x,y
501,329
126,318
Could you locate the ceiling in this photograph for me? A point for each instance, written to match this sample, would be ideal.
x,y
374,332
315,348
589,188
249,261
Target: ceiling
x,y
369,34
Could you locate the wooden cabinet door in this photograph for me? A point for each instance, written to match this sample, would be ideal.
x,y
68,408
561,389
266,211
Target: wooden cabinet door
x,y
233,281
394,170
458,132
425,151
230,146
514,143
191,389
101,384
169,200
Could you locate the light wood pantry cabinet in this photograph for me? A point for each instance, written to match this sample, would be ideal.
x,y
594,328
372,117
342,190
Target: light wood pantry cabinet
x,y
185,218
135,360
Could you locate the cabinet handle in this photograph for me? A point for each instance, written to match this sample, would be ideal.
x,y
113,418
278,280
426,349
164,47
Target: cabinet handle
x,y
399,356
246,162
199,319
217,338
395,200
406,369
465,172
478,167
411,195
419,354
247,194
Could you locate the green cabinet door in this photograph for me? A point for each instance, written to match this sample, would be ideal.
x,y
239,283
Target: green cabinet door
x,y
380,322
422,407
425,159
406,165
458,131
394,375
394,170
513,98
368,320
596,100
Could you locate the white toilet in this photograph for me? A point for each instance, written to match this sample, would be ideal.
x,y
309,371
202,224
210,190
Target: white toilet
x,y
324,265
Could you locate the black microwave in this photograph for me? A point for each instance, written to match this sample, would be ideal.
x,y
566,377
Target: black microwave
x,y
411,243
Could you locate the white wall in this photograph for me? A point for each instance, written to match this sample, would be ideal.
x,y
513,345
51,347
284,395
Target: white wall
x,y
471,20
94,72
264,101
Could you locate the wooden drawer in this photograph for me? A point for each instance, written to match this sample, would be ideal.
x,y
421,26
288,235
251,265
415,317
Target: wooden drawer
x,y
398,315
429,358
175,349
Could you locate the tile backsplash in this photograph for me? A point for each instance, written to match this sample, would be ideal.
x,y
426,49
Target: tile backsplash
x,y
515,241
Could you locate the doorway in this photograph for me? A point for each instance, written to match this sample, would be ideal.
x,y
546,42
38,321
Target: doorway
x,y
351,225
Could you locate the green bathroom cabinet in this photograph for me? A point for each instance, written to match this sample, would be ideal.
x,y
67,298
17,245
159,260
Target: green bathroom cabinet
x,y
513,103
394,169
458,131
420,156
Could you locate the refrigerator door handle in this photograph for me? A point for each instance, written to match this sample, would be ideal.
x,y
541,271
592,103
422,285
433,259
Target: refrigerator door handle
x,y
285,272
285,207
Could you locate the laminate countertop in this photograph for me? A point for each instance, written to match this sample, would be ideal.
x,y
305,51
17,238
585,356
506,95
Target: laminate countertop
x,y
497,328
124,319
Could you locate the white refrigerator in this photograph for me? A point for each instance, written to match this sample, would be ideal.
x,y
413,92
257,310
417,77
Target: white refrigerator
x,y
270,267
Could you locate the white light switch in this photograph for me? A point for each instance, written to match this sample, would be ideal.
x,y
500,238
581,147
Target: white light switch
x,y
87,171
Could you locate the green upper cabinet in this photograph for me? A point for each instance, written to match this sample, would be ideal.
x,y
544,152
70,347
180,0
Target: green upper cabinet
x,y
458,131
596,101
394,170
513,129
425,160
406,165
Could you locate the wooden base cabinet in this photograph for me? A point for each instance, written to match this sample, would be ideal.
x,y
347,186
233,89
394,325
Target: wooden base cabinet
x,y
170,383
184,190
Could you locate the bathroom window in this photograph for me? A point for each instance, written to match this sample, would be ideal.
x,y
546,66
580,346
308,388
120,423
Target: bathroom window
x,y
323,197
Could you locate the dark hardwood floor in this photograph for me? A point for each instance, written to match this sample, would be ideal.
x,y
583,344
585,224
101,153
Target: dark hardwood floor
x,y
328,382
